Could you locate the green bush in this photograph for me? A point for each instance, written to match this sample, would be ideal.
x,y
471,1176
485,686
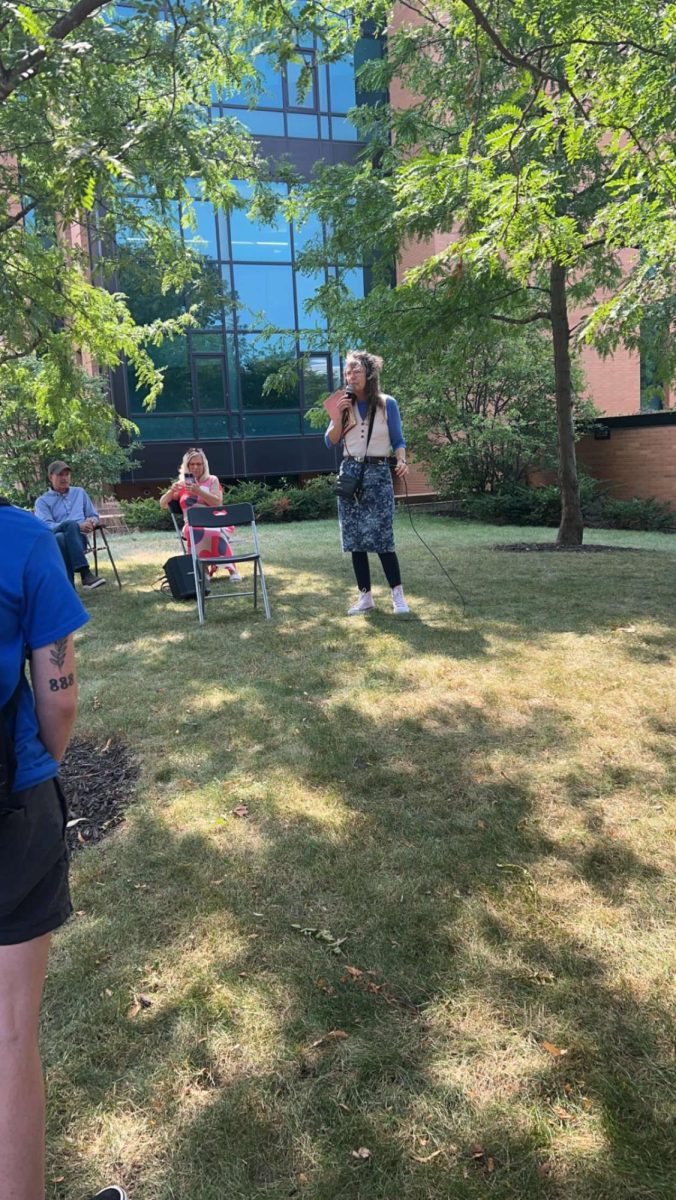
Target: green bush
x,y
542,506
145,514
316,499
637,514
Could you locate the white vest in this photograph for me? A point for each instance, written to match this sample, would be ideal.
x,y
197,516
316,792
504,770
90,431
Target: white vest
x,y
379,445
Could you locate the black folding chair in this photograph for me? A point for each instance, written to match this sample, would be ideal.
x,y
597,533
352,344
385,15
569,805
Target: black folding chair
x,y
241,516
94,549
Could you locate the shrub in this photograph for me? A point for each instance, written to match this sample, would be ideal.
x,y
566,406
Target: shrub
x,y
311,502
145,514
637,514
528,506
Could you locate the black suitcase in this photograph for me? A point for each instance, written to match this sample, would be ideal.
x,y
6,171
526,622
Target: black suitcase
x,y
180,577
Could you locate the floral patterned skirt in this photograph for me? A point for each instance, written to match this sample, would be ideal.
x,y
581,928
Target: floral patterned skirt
x,y
367,524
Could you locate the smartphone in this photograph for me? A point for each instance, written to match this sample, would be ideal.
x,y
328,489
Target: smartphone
x,y
188,477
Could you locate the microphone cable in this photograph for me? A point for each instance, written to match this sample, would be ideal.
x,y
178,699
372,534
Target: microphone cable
x,y
430,550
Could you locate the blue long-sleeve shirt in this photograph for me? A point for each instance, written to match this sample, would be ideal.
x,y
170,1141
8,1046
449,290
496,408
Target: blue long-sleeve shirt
x,y
55,507
393,422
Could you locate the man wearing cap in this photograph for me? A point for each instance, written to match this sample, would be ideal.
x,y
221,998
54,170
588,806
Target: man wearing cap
x,y
70,515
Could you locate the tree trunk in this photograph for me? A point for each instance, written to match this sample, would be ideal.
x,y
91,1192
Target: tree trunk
x,y
571,527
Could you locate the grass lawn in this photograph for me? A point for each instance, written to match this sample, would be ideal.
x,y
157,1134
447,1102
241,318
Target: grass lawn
x,y
435,958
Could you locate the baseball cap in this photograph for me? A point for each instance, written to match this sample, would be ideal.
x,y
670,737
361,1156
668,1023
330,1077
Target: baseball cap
x,y
57,467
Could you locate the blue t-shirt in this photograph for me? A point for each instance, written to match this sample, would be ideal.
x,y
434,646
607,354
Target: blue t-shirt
x,y
38,605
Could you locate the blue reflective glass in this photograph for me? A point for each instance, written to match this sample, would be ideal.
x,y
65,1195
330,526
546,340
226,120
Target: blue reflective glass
x,y
324,131
161,429
267,424
322,78
306,286
307,99
233,381
341,76
343,130
205,230
270,84
213,426
309,230
252,240
267,294
259,122
228,291
354,280
301,126
316,382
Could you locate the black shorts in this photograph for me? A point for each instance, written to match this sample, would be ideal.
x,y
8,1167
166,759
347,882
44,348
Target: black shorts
x,y
34,894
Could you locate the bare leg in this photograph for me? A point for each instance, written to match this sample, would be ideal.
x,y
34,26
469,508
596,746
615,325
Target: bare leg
x,y
22,1103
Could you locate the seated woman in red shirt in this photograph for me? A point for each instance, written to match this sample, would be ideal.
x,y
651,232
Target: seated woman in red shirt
x,y
196,486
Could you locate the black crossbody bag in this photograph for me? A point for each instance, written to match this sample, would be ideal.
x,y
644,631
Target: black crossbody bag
x,y
349,487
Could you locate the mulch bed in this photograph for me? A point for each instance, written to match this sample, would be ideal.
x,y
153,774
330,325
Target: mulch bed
x,y
522,547
99,781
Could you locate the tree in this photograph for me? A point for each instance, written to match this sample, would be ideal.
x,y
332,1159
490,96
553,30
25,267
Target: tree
x,y
104,130
38,425
540,141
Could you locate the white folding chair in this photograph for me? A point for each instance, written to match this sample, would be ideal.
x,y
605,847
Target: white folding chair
x,y
242,517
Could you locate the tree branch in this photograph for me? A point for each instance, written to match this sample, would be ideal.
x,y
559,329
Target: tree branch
x,y
33,61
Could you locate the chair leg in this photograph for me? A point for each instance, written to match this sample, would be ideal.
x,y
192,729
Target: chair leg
x,y
95,552
256,583
264,591
110,556
199,588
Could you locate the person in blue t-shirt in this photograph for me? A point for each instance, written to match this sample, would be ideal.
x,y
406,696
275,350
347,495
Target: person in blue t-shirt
x,y
70,515
39,612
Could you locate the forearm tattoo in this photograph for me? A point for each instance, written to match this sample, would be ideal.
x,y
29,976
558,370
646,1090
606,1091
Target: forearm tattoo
x,y
57,654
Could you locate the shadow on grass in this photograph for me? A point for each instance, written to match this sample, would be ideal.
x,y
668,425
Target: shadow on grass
x,y
227,1077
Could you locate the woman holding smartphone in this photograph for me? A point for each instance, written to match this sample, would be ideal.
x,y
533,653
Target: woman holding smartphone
x,y
195,485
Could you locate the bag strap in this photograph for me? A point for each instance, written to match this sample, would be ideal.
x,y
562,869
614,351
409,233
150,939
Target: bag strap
x,y
372,418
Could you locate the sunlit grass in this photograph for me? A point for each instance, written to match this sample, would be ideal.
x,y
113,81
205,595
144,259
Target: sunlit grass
x,y
472,812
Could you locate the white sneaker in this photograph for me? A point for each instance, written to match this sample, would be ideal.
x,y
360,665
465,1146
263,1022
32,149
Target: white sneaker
x,y
235,577
364,604
398,600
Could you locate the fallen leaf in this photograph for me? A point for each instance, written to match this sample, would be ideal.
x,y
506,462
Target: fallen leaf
x,y
241,810
145,1001
477,1151
59,1179
354,972
134,1010
80,912
544,1170
586,1104
427,1158
362,1153
553,1050
561,1113
490,1165
334,1035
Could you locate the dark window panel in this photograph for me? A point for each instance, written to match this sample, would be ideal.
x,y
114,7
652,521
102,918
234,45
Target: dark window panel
x,y
176,395
257,360
213,426
316,379
233,375
165,429
267,424
202,343
210,381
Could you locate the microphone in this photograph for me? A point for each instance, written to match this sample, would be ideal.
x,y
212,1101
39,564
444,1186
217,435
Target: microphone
x,y
351,395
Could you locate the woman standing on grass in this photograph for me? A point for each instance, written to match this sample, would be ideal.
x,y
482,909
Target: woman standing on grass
x,y
196,486
366,525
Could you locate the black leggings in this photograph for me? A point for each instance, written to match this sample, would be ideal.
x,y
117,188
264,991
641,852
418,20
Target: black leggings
x,y
362,571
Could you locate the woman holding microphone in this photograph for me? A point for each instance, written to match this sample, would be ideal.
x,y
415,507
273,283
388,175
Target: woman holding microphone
x,y
366,525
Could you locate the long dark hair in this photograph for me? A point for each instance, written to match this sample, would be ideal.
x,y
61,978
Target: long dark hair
x,y
372,365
